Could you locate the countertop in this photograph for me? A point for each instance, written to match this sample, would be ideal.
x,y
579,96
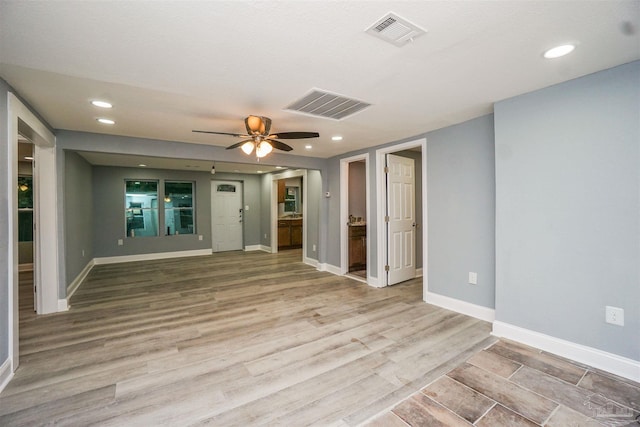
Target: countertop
x,y
357,224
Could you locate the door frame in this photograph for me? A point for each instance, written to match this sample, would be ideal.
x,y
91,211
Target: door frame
x,y
274,208
46,241
381,204
344,211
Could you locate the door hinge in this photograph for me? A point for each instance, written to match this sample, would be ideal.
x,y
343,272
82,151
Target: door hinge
x,y
386,169
386,268
386,218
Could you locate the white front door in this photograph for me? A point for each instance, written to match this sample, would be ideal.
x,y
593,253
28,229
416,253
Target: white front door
x,y
401,233
226,215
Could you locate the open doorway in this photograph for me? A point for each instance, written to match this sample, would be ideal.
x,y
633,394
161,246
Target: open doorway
x,y
289,211
26,191
21,121
394,252
354,216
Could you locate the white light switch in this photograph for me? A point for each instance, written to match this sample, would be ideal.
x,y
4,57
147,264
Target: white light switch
x,y
246,207
473,278
120,242
200,237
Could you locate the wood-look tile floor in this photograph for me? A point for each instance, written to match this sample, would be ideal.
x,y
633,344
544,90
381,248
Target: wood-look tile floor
x,y
238,338
509,384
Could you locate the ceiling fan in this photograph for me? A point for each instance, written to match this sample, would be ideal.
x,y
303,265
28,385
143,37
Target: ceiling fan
x,y
260,139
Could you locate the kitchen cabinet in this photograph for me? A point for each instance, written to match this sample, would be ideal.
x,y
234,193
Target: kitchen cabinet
x,y
290,233
281,191
357,247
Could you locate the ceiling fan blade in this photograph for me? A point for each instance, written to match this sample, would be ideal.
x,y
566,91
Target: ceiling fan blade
x,y
238,135
279,145
294,135
238,144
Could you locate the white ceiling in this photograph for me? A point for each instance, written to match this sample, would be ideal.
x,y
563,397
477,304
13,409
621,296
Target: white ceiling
x,y
173,66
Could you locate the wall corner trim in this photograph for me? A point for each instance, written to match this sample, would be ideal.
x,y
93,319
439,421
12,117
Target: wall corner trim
x,y
618,365
5,374
63,305
152,256
459,306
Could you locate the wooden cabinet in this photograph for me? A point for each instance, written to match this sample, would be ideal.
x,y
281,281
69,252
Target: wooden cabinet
x,y
281,191
289,233
357,247
296,233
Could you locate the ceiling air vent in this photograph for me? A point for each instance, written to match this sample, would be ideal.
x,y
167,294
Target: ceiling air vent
x,y
394,29
328,105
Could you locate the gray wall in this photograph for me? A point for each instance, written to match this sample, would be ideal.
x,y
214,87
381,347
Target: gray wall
x,y
313,200
461,211
78,218
71,140
568,209
109,226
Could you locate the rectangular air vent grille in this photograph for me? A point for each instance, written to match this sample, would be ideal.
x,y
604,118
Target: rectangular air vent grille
x,y
327,105
394,29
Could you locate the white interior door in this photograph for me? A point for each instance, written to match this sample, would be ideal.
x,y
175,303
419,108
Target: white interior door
x,y
226,215
401,226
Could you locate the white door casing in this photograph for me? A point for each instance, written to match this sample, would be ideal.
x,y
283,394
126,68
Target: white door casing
x,y
226,215
401,227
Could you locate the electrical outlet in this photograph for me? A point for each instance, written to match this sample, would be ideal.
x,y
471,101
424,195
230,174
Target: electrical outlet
x,y
83,252
614,315
200,237
314,248
246,207
473,278
120,242
265,235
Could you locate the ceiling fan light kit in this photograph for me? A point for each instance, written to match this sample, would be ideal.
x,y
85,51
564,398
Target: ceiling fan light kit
x,y
260,139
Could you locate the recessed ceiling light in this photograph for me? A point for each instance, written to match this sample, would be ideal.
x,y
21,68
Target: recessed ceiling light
x,y
308,147
142,165
258,171
28,158
106,121
279,167
101,104
558,51
336,138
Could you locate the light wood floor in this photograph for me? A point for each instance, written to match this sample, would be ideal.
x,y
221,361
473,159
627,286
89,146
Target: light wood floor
x,y
239,338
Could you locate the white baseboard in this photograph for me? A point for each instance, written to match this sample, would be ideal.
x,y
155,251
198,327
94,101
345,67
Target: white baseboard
x,y
265,248
310,261
63,305
418,272
150,257
618,365
323,266
473,310
253,248
5,374
73,286
373,281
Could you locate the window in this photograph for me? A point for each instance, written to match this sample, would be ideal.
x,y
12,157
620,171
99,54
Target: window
x,y
141,208
178,207
25,209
